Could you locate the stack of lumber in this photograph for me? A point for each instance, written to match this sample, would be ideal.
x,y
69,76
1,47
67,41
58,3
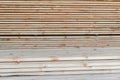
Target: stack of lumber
x,y
33,42
56,23
59,17
58,62
59,37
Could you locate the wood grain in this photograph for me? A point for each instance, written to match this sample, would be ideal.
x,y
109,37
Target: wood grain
x,y
64,17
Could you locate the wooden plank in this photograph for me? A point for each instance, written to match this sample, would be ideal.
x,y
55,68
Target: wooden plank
x,y
56,67
7,42
62,17
69,77
88,42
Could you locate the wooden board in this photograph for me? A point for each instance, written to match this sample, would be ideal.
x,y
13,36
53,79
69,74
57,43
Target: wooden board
x,y
59,39
64,17
25,42
59,62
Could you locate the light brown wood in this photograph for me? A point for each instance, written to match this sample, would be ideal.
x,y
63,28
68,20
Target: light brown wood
x,y
24,42
64,17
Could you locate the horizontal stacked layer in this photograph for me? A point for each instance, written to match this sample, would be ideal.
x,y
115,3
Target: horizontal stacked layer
x,y
88,40
25,42
62,17
58,62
